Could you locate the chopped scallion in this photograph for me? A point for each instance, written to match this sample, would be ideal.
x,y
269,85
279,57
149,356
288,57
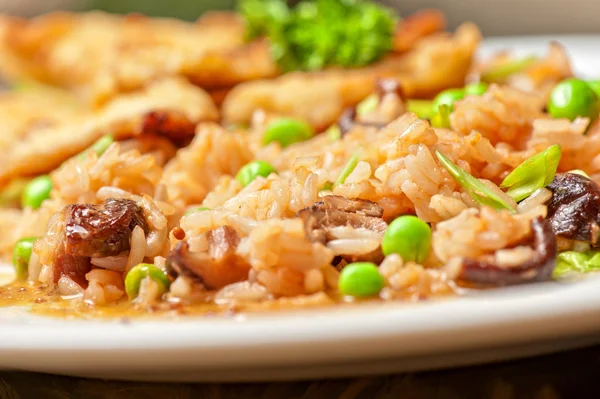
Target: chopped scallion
x,y
441,118
348,168
499,73
475,188
422,108
533,173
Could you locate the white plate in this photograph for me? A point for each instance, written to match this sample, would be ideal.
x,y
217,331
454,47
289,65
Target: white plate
x,y
390,337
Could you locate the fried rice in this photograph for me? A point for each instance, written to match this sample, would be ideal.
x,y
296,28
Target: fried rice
x,y
165,201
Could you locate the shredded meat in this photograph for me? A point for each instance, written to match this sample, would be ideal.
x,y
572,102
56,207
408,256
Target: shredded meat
x,y
538,268
574,209
335,211
102,230
216,268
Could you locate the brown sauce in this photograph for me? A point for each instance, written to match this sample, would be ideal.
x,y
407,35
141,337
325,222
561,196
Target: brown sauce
x,y
41,300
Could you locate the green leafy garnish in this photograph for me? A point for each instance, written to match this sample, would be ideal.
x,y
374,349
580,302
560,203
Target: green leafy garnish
x,y
499,73
533,173
475,188
348,168
315,34
422,108
441,118
571,261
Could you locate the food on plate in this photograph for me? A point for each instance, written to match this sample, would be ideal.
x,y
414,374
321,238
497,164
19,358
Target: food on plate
x,y
240,163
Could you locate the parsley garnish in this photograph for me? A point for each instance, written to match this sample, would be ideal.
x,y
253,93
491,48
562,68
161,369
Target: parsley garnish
x,y
320,33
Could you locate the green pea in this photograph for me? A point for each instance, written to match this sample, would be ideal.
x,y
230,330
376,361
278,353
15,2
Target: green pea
x,y
21,255
287,131
572,98
36,192
476,89
448,97
595,85
194,210
360,279
409,237
134,278
252,170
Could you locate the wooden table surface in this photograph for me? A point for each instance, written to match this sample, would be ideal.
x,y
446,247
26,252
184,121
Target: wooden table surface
x,y
574,374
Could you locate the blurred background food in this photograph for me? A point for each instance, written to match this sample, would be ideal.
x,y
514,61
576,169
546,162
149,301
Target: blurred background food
x,y
495,17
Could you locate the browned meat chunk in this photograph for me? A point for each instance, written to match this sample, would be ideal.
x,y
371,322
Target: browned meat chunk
x,y
538,268
216,268
174,125
335,211
574,209
102,230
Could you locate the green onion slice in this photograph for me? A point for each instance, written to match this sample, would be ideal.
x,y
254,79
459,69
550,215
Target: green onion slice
x,y
475,188
422,108
499,73
348,168
534,173
441,118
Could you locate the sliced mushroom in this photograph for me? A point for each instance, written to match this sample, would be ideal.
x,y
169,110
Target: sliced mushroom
x,y
538,268
74,267
335,211
574,209
216,268
102,230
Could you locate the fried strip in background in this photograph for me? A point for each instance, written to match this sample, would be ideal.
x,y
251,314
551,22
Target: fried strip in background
x,y
171,107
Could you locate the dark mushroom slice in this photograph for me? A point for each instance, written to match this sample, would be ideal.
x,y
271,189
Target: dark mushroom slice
x,y
74,267
574,208
102,230
334,211
216,268
538,268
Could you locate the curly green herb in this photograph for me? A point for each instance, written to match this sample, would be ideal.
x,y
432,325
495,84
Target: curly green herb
x,y
315,34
